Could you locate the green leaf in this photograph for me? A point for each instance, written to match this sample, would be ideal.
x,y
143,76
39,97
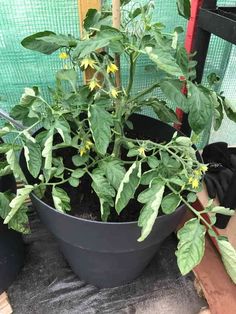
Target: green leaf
x,y
191,245
228,254
152,198
32,152
170,202
79,160
124,2
222,210
74,182
18,201
69,75
148,176
200,107
191,197
47,150
172,90
183,141
78,173
153,162
5,147
5,169
114,171
85,47
184,8
59,40
63,128
14,164
128,186
61,199
164,61
218,113
33,42
163,112
104,191
100,123
5,130
92,17
19,222
230,109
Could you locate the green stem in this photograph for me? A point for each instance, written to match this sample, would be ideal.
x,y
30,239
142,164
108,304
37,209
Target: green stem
x,y
131,75
146,91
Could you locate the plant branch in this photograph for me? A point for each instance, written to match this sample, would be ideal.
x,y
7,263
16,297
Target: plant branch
x,y
146,91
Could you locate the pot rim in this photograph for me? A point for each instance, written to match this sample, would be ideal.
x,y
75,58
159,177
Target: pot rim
x,y
100,222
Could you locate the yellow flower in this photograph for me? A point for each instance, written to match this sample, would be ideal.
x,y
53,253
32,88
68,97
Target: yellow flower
x,y
93,84
197,172
112,68
88,145
190,180
141,151
203,168
82,151
114,93
88,62
195,183
63,55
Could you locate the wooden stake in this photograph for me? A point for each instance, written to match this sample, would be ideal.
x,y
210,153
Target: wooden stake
x,y
116,19
83,7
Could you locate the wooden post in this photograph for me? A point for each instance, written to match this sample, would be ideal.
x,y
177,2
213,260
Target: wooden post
x,y
84,6
116,18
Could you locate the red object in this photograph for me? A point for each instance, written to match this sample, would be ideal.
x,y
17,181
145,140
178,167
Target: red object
x,y
189,44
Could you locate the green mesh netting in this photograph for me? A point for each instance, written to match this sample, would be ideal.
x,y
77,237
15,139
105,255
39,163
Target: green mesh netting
x,y
21,68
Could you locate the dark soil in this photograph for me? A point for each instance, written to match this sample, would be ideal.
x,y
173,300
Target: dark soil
x,y
84,201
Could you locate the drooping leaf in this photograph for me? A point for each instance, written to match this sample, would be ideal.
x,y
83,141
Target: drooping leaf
x,y
164,61
47,150
104,191
14,164
148,176
85,47
33,42
4,205
191,245
128,186
18,201
200,107
114,172
63,128
92,17
228,254
163,112
59,40
172,90
61,199
170,203
69,75
32,152
152,198
230,109
222,210
100,123
184,8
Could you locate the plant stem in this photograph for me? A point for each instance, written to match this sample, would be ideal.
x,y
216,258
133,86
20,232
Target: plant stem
x,y
146,91
131,75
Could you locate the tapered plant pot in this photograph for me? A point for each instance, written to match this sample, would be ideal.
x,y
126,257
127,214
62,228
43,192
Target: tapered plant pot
x,y
108,254
11,244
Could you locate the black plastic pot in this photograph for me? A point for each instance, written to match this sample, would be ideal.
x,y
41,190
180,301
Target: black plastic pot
x,y
108,254
11,244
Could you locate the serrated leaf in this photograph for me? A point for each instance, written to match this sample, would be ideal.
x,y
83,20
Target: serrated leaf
x,y
18,201
228,254
200,107
164,61
32,152
172,90
61,199
128,186
114,171
100,123
170,203
152,198
191,245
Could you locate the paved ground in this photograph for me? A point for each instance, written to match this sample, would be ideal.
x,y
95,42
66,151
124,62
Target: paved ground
x,y
47,285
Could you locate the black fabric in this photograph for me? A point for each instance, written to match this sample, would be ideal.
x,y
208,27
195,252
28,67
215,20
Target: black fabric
x,y
47,284
220,178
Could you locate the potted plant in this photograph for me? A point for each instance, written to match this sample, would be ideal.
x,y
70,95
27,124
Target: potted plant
x,y
109,183
11,242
